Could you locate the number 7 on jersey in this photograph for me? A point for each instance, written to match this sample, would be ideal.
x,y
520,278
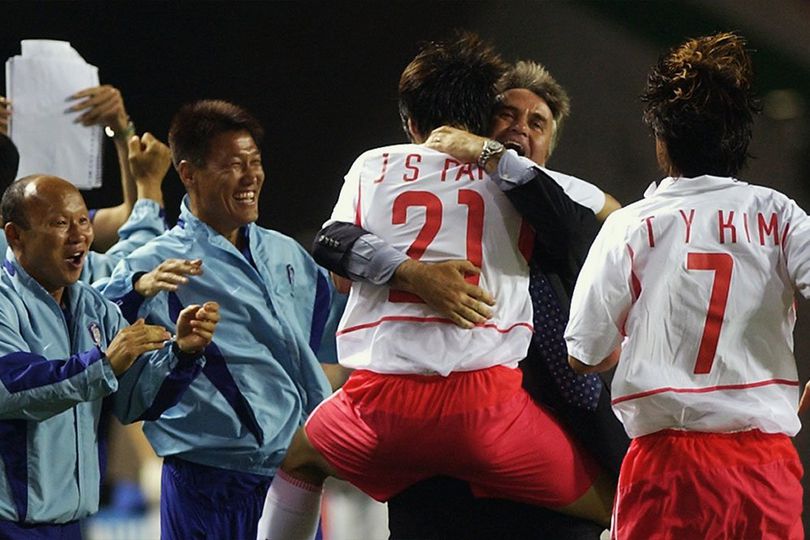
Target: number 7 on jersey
x,y
722,265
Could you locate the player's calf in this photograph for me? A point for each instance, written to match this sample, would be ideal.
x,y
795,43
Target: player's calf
x,y
292,507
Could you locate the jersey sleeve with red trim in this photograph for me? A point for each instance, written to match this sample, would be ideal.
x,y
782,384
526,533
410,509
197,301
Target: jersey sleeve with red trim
x,y
602,295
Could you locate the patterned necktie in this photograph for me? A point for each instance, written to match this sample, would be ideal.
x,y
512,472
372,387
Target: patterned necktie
x,y
549,327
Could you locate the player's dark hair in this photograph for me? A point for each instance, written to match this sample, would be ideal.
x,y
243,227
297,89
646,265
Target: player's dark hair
x,y
451,82
700,102
196,124
9,162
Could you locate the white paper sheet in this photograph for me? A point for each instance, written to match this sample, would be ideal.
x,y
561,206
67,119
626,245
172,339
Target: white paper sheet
x,y
38,83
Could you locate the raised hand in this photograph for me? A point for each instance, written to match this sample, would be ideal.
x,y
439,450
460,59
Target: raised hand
x,y
102,105
149,159
167,276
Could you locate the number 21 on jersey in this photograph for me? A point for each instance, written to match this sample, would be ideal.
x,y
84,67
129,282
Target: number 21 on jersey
x,y
434,213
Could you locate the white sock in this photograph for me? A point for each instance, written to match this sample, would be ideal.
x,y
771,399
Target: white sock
x,y
291,510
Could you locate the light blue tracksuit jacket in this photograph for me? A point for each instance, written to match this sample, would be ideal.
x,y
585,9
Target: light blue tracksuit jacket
x,y
53,376
262,376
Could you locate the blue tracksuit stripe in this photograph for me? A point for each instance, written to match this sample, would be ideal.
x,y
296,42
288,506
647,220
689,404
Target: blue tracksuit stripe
x,y
129,304
320,312
217,372
172,388
21,371
178,379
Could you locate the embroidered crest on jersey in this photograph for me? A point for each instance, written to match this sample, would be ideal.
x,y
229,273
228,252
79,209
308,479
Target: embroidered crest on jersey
x,y
291,274
95,333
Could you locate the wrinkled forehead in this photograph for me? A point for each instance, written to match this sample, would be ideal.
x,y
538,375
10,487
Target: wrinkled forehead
x,y
524,100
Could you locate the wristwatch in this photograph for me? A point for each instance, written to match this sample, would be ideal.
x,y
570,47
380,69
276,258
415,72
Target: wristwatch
x,y
490,150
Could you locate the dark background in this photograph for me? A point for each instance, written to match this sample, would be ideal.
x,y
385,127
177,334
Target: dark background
x,y
322,79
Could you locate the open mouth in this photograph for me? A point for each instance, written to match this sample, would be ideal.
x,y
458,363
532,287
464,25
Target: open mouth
x,y
76,259
511,145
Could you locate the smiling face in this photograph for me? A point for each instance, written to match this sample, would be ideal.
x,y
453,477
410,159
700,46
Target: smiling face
x,y
524,123
52,249
225,192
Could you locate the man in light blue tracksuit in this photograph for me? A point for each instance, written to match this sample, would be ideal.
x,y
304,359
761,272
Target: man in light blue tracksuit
x,y
225,439
63,348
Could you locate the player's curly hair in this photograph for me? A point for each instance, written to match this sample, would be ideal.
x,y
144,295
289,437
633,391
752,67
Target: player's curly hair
x,y
451,82
534,76
700,102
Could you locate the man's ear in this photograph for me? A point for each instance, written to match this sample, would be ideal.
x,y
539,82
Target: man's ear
x,y
185,171
13,236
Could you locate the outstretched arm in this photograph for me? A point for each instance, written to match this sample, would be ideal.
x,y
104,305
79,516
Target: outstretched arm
x,y
352,252
564,227
104,106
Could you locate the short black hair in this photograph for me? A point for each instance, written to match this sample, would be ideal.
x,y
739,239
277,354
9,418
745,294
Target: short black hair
x,y
699,100
196,124
452,82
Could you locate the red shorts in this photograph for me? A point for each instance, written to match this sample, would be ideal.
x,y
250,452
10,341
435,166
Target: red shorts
x,y
385,432
685,485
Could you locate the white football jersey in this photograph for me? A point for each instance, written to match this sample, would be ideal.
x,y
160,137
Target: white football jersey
x,y
697,282
434,208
